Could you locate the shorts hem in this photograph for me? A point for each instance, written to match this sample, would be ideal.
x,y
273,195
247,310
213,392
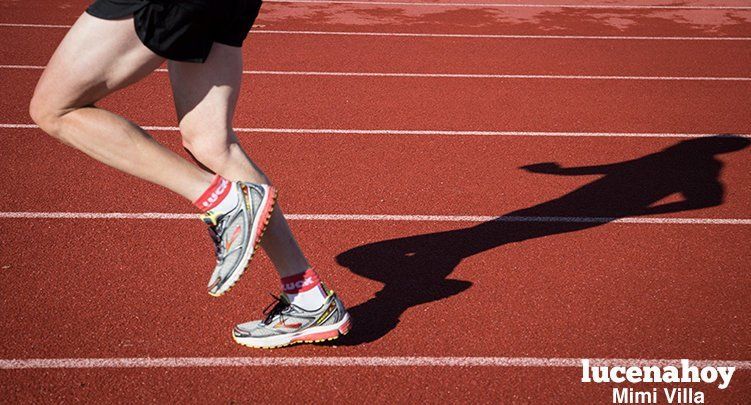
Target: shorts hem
x,y
166,55
158,27
122,12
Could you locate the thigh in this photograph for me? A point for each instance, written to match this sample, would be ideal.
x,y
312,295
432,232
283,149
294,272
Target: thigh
x,y
94,59
206,93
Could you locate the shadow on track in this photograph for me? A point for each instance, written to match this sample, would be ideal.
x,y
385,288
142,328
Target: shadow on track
x,y
415,269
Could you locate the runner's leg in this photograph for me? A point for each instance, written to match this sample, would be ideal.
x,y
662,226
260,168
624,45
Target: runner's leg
x,y
205,98
96,58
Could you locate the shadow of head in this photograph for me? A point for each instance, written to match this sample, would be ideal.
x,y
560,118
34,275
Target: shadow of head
x,y
710,145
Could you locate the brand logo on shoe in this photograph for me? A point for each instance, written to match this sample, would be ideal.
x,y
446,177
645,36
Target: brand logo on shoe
x,y
232,238
326,314
282,324
220,189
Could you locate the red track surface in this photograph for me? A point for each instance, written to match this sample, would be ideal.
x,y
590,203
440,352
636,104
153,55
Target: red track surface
x,y
130,288
411,170
443,103
488,55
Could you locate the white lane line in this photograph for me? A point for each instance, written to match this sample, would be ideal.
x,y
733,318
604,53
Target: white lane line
x,y
492,76
29,67
22,25
336,131
98,215
498,36
452,75
448,35
388,218
515,5
390,361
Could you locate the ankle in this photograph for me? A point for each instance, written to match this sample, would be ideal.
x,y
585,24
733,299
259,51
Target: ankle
x,y
217,195
305,290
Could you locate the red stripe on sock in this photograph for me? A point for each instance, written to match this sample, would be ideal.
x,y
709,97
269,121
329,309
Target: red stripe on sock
x,y
301,282
218,189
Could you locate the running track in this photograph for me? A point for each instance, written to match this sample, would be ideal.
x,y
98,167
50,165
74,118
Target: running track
x,y
396,131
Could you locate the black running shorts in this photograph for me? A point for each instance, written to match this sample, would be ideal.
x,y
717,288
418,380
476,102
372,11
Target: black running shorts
x,y
183,30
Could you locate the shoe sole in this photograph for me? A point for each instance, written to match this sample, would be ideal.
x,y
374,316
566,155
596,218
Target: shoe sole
x,y
316,334
260,223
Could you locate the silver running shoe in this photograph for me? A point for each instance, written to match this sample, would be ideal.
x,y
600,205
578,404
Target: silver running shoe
x,y
287,324
237,233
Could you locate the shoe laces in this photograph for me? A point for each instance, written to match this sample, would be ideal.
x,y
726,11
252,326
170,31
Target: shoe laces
x,y
216,231
276,308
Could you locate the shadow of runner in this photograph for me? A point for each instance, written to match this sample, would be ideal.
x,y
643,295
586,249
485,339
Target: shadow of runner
x,y
415,269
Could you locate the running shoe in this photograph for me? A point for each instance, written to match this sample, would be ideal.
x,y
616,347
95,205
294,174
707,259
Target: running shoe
x,y
237,233
286,324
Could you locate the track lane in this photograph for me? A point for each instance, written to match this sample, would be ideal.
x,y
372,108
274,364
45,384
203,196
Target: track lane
x,y
428,385
370,174
478,20
446,104
441,55
614,295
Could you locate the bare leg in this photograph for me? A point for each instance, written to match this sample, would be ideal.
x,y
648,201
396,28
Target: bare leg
x,y
96,58
205,99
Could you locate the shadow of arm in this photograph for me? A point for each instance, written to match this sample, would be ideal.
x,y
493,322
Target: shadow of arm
x,y
555,168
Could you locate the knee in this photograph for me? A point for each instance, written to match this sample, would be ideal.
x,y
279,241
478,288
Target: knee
x,y
209,146
45,115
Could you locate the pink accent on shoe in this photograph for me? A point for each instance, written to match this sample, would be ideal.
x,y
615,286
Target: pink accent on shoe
x,y
266,213
317,336
344,329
